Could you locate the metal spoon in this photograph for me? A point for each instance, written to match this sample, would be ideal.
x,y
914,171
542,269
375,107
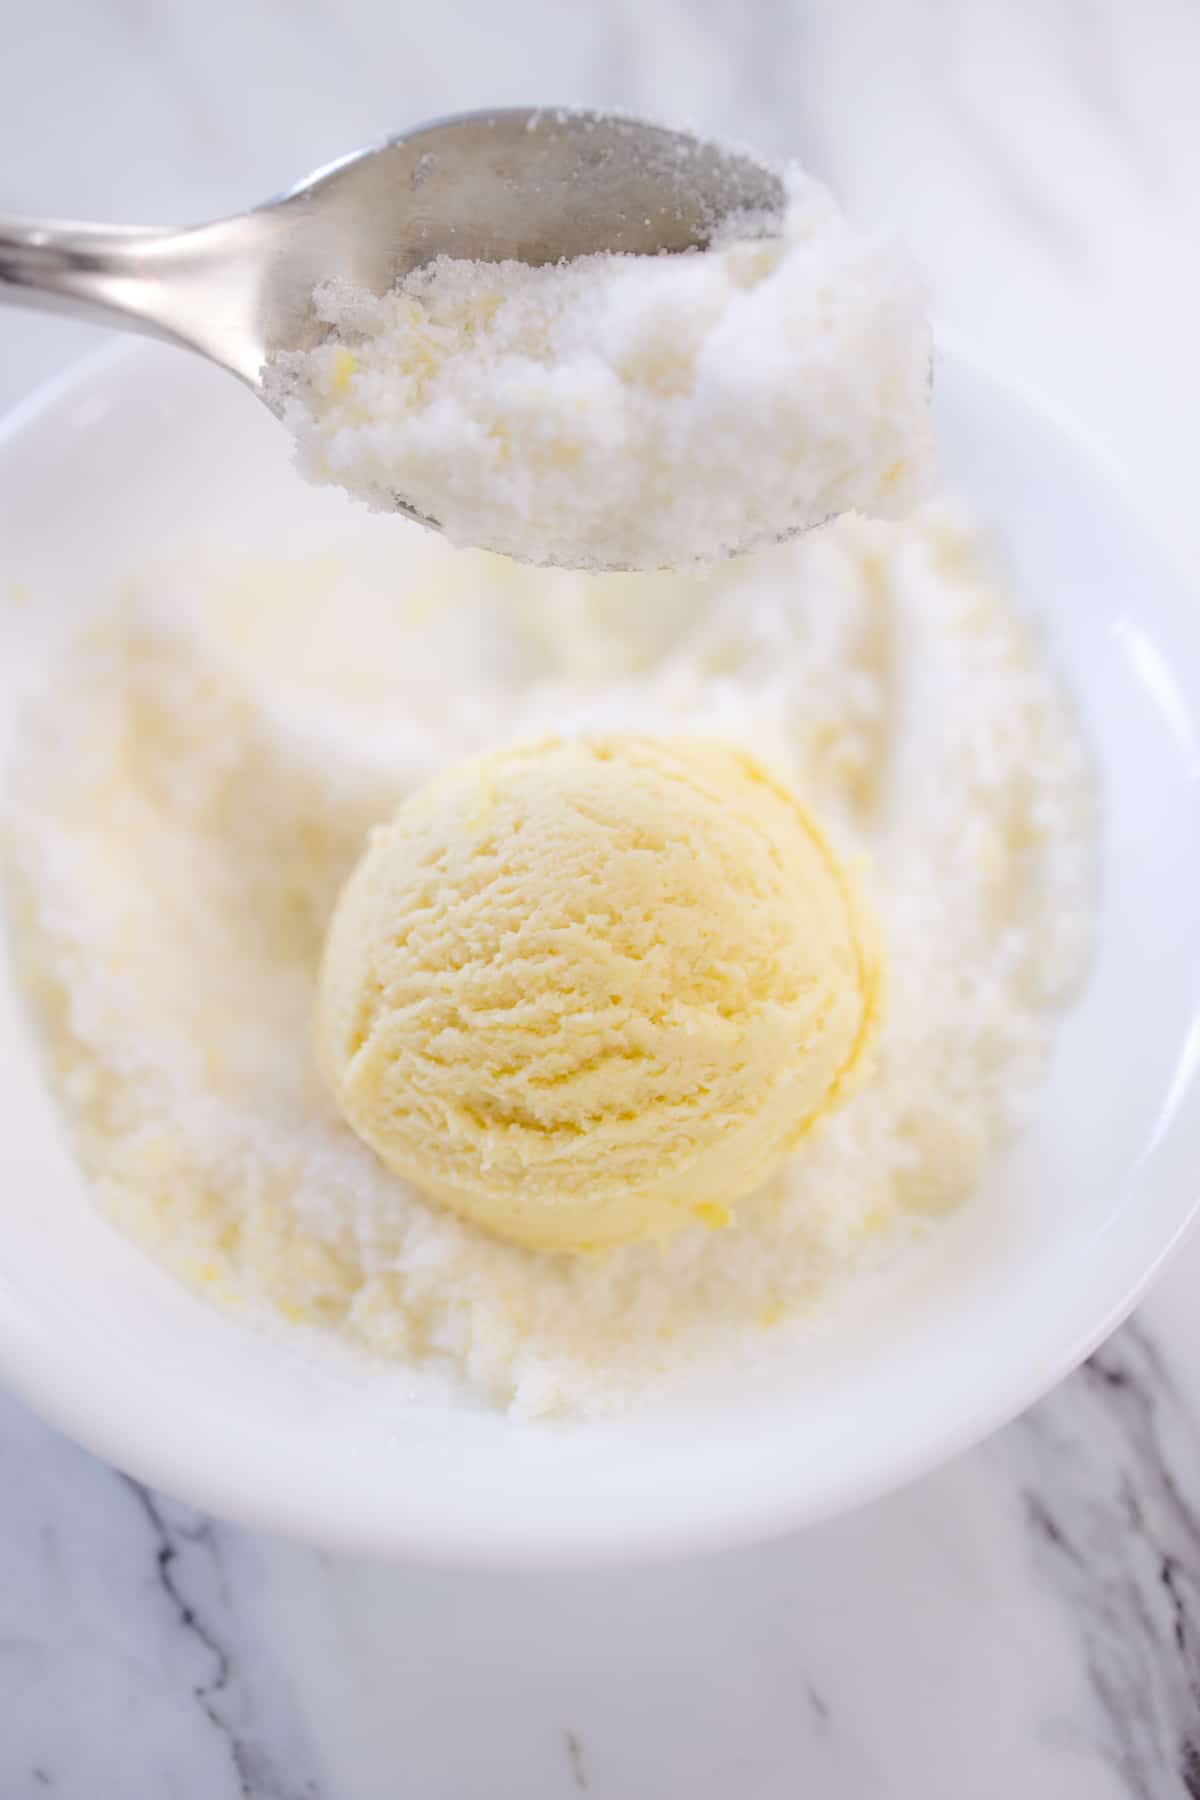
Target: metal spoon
x,y
534,185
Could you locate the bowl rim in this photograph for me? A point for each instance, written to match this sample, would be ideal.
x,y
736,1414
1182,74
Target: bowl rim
x,y
38,1370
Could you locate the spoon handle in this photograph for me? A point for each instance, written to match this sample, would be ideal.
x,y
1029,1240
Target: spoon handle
x,y
197,287
95,272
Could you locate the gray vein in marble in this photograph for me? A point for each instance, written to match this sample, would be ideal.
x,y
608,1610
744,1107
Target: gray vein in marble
x,y
1106,1461
573,1744
614,64
763,98
995,152
177,1531
149,36
1100,90
818,1705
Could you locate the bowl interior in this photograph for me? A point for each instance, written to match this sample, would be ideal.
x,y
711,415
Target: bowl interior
x,y
143,451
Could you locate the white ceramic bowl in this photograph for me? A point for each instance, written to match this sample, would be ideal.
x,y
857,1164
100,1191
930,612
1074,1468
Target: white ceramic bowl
x,y
144,448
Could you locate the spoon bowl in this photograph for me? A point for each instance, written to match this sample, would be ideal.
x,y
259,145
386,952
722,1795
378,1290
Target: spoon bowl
x,y
533,185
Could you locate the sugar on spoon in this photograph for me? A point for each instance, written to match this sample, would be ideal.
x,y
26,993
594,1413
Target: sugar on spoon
x,y
532,185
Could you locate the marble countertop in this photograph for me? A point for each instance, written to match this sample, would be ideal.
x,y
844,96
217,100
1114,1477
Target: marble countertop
x,y
1024,1621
